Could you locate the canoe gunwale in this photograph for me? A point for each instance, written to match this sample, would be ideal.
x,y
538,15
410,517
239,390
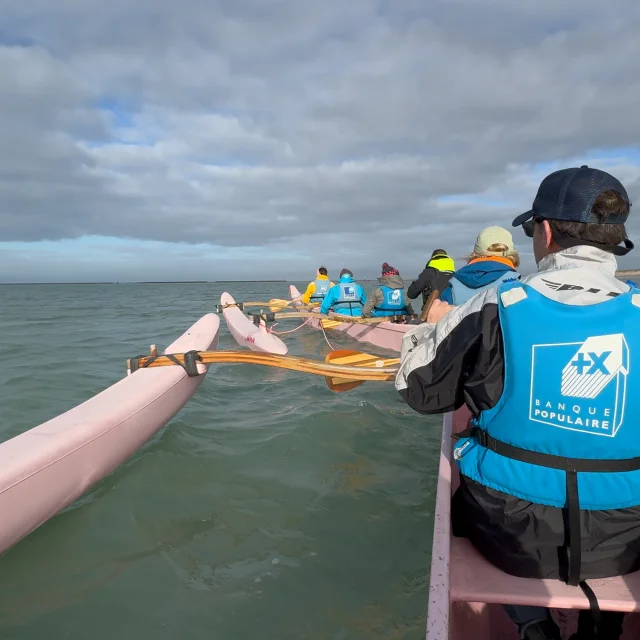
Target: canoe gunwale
x,y
439,579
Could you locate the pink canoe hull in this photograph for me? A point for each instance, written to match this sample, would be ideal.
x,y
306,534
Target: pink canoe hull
x,y
46,468
466,592
247,334
386,335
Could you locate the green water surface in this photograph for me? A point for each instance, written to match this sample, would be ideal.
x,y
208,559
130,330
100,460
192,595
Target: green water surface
x,y
268,508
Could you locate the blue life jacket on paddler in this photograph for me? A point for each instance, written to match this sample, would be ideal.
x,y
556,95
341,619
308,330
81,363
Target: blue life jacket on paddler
x,y
476,277
564,431
346,297
566,422
393,303
322,287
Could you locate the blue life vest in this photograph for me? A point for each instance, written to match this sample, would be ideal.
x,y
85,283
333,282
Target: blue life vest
x,y
460,293
392,304
349,297
322,288
564,432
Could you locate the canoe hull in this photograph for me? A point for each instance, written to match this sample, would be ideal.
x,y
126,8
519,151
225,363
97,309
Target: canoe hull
x,y
46,468
246,333
465,591
386,335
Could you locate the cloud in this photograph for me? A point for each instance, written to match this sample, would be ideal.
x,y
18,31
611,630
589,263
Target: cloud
x,y
356,132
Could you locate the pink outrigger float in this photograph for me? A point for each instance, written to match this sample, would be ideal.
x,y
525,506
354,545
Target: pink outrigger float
x,y
466,592
248,334
386,335
46,468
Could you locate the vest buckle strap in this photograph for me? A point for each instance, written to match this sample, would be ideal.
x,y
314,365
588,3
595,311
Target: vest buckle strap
x,y
584,465
481,437
465,433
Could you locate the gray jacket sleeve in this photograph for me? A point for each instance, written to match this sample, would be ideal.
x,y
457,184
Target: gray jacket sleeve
x,y
410,310
375,299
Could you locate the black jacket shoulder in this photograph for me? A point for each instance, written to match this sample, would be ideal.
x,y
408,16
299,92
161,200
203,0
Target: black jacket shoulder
x,y
427,281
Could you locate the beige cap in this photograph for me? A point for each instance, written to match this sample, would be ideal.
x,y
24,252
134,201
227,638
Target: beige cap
x,y
494,235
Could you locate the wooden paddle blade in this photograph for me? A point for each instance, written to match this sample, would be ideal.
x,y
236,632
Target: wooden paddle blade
x,y
330,324
354,359
342,384
338,354
275,304
342,356
359,359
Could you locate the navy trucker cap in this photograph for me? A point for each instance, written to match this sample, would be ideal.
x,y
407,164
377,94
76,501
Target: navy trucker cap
x,y
569,195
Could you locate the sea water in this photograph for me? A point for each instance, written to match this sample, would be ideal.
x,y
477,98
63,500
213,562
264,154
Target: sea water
x,y
268,508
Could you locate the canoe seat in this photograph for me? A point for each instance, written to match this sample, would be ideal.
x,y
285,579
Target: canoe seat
x,y
474,579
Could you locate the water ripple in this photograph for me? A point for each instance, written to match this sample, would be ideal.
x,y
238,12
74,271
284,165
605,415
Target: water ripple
x,y
268,506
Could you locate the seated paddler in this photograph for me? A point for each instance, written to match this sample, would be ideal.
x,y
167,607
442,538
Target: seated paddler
x,y
318,289
436,276
550,465
494,260
389,299
347,297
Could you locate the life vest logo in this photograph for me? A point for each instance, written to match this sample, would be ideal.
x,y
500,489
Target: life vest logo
x,y
349,293
323,288
581,386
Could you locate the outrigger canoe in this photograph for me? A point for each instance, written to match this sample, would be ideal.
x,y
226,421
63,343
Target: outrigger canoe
x,y
386,335
246,333
46,468
466,592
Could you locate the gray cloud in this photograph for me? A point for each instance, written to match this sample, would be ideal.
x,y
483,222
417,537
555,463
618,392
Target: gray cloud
x,y
331,127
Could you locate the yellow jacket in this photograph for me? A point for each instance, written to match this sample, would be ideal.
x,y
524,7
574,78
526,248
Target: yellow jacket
x,y
311,289
442,262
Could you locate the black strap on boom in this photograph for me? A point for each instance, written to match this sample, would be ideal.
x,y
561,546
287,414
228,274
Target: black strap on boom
x,y
191,359
221,307
267,317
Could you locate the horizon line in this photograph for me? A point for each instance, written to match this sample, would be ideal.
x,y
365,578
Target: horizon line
x,y
619,272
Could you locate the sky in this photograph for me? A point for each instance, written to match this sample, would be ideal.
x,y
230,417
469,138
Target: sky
x,y
258,139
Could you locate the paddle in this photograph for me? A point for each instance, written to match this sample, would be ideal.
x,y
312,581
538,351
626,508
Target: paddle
x,y
360,359
277,305
428,304
360,367
346,357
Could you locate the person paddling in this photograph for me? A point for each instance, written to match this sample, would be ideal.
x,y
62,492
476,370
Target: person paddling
x,y
318,289
389,298
550,466
494,260
347,297
435,277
